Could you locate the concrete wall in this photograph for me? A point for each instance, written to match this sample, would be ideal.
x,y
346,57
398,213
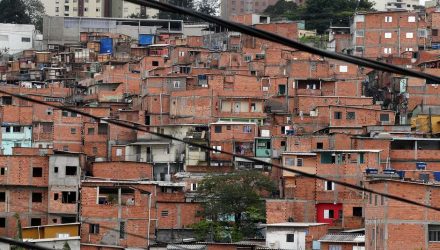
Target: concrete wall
x,y
279,237
11,36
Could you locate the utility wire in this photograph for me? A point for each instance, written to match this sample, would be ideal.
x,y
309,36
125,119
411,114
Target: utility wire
x,y
24,244
287,42
139,127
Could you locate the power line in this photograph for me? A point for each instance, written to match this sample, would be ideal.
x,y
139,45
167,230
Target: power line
x,y
26,245
285,41
139,127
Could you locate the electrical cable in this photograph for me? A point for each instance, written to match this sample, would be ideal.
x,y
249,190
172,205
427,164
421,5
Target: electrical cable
x,y
244,29
138,128
24,244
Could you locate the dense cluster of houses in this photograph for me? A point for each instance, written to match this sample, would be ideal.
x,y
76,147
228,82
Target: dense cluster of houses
x,y
74,179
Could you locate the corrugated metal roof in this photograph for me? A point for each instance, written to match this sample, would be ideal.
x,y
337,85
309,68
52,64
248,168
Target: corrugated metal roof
x,y
343,237
189,247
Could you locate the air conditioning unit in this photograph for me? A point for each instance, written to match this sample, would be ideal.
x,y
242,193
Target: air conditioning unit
x,y
313,113
265,88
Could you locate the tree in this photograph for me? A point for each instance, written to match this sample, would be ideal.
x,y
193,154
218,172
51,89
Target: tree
x,y
66,246
138,16
22,12
235,197
35,10
188,4
13,11
320,14
280,9
209,7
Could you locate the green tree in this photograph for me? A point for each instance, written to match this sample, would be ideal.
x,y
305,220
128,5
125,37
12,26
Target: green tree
x,y
188,4
209,7
236,196
66,246
22,12
35,10
281,9
320,14
13,11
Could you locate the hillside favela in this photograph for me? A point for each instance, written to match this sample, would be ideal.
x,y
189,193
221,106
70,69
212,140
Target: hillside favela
x,y
125,126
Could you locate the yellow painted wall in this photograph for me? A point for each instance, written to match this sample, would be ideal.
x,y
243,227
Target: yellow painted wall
x,y
50,231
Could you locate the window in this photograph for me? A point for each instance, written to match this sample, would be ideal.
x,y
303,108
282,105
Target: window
x,y
299,162
319,145
118,152
384,117
247,129
409,35
434,32
359,33
361,158
411,19
388,35
228,127
289,161
17,129
408,49
329,186
56,196
357,211
57,9
290,238
388,19
55,169
68,197
102,128
35,222
193,186
155,63
181,53
73,131
338,115
176,84
2,196
247,58
282,89
26,39
122,230
94,150
218,129
71,170
164,213
343,68
434,232
94,228
37,172
387,50
351,115
91,131
218,148
2,222
335,247
37,197
329,214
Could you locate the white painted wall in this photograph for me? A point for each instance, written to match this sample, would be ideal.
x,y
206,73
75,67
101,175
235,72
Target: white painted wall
x,y
16,37
278,236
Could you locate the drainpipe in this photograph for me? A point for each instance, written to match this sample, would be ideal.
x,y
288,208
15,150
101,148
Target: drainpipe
x,y
149,220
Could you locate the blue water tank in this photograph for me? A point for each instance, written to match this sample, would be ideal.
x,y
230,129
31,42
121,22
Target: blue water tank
x,y
389,171
106,46
146,39
437,176
371,171
401,174
421,165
